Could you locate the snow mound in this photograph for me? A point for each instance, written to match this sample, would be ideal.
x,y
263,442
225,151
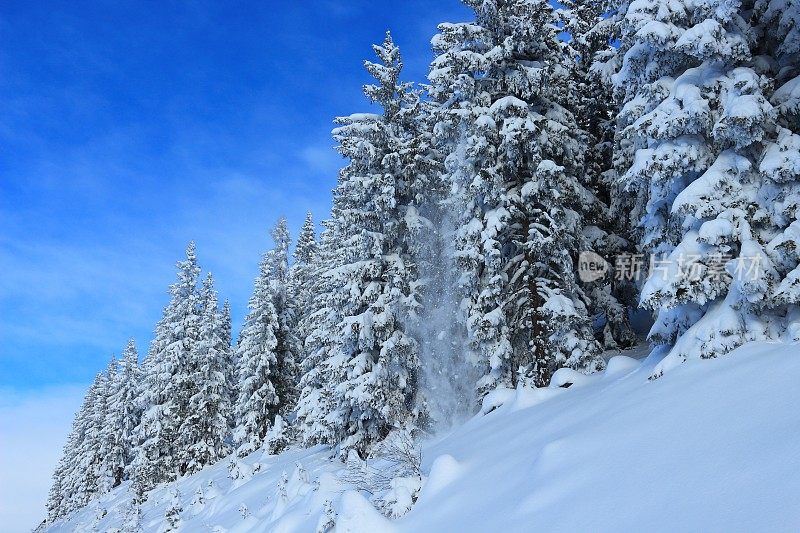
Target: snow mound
x,y
358,515
620,364
566,377
444,470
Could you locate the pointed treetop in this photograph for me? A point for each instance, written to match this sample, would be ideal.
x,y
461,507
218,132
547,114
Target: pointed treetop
x,y
130,354
306,247
112,367
209,294
191,252
388,52
190,263
129,348
387,74
276,261
225,323
188,272
280,233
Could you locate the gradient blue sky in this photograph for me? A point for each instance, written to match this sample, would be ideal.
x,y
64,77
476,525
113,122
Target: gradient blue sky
x,y
129,128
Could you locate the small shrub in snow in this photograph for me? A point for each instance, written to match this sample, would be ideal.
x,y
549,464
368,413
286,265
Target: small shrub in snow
x,y
327,521
132,521
300,476
401,497
172,517
281,492
239,471
277,438
198,501
211,491
393,478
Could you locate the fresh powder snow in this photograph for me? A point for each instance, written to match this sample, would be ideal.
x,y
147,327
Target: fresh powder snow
x,y
708,446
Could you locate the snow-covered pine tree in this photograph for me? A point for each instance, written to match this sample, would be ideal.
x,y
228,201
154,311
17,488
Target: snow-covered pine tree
x,y
692,122
166,381
371,368
266,350
302,276
591,28
306,248
122,416
327,520
590,31
132,519
63,497
777,27
231,378
257,400
205,428
107,451
778,55
318,335
172,515
94,474
513,157
76,476
68,491
55,497
319,325
287,349
302,270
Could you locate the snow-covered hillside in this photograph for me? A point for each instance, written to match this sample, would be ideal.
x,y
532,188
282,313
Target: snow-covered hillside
x,y
710,446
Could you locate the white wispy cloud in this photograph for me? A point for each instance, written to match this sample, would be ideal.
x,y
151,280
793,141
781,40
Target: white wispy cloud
x,y
322,158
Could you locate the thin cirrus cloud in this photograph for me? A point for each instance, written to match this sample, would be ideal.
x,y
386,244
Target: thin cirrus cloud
x,y
321,158
134,131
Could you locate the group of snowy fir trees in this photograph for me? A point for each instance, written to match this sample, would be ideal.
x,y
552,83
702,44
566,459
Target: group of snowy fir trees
x,y
667,130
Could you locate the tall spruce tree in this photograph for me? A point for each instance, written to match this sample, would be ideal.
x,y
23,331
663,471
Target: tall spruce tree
x,y
104,435
167,383
287,349
231,378
592,29
266,350
778,54
91,475
302,277
123,415
513,157
692,121
205,428
371,368
318,334
72,482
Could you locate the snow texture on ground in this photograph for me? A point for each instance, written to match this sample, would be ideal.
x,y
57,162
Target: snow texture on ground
x,y
709,446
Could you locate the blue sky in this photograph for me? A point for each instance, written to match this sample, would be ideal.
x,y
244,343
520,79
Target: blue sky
x,y
129,128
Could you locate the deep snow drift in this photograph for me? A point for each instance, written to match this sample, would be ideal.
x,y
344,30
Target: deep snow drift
x,y
710,446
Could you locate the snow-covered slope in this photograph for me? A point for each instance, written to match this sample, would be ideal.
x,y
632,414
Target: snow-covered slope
x,y
710,446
